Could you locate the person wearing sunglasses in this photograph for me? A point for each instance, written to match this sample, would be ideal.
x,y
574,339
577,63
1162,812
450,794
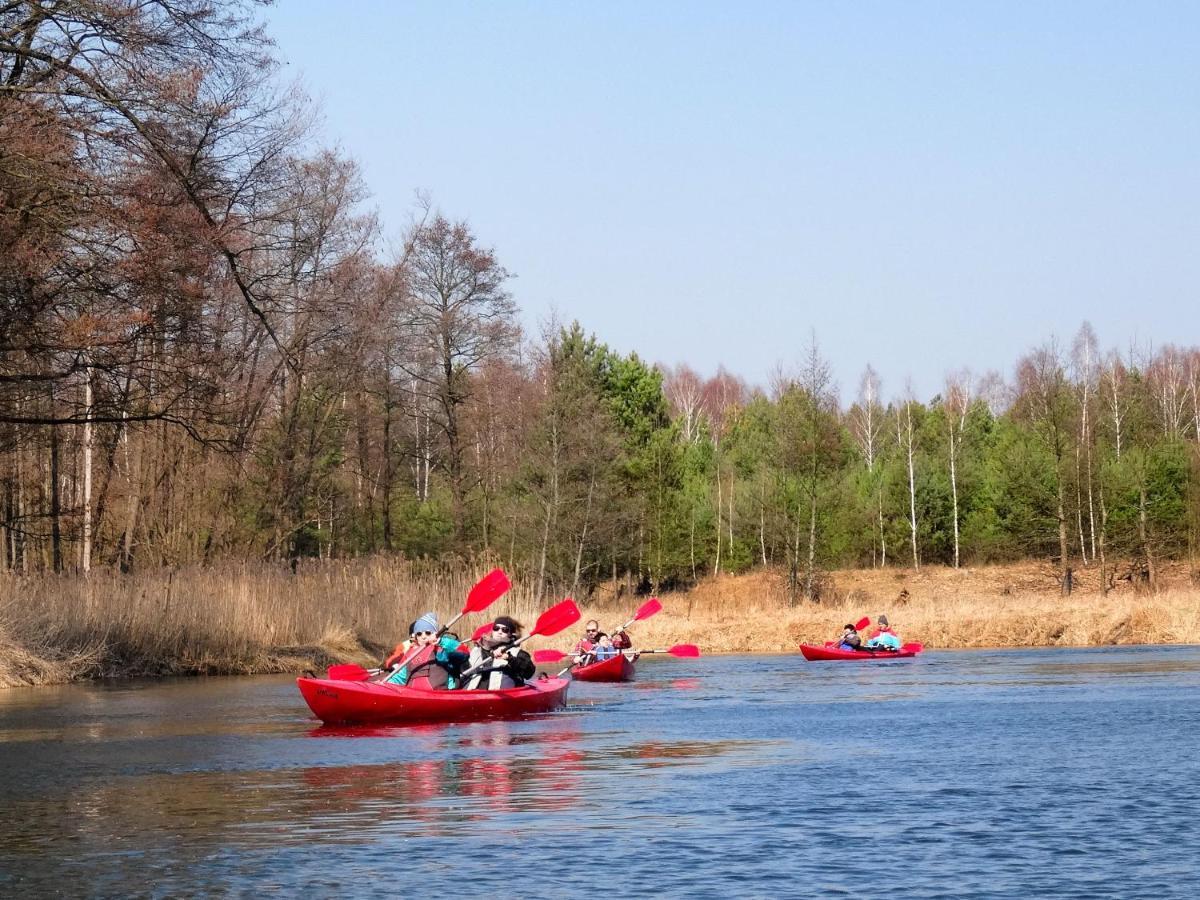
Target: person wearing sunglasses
x,y
586,645
427,660
504,665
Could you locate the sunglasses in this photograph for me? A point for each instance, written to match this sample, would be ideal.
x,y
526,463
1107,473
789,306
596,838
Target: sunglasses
x,y
593,630
423,634
503,629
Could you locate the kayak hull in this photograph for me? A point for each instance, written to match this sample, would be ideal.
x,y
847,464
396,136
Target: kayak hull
x,y
831,652
618,668
365,702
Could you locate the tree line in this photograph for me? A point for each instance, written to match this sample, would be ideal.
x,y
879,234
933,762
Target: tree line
x,y
205,353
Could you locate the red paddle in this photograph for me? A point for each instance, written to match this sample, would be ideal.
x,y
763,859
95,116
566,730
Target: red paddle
x,y
681,650
348,672
864,622
481,631
645,611
552,621
487,590
490,588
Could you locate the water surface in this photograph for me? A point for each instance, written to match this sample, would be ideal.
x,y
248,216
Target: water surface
x,y
1009,774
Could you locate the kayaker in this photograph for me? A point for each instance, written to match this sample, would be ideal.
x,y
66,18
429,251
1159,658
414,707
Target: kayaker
x,y
604,649
621,640
584,646
506,668
400,650
883,638
431,662
850,639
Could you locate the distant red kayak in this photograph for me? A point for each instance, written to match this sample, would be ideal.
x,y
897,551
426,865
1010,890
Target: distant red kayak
x,y
617,668
830,652
363,702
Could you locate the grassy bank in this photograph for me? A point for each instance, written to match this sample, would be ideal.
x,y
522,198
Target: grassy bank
x,y
260,619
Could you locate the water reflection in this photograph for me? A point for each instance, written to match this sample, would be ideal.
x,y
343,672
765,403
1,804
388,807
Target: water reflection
x,y
972,774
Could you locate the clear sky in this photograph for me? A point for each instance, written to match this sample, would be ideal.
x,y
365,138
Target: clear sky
x,y
928,185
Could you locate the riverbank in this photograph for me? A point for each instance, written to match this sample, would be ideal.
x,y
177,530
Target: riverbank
x,y
254,619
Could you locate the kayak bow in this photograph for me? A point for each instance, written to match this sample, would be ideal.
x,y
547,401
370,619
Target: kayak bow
x,y
617,668
361,702
831,652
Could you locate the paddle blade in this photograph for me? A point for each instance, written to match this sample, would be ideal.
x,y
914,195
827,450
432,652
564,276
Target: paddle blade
x,y
864,622
556,618
649,608
347,672
547,656
684,650
490,588
914,647
482,631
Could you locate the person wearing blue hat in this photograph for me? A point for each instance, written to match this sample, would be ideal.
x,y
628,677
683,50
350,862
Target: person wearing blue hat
x,y
429,659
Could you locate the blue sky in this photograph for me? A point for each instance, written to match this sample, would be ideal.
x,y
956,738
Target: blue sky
x,y
926,185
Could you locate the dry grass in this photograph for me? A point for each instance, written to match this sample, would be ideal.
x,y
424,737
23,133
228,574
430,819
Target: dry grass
x,y
259,619
996,606
231,619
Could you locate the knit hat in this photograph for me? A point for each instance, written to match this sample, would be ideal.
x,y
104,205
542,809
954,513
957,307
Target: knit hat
x,y
427,622
883,621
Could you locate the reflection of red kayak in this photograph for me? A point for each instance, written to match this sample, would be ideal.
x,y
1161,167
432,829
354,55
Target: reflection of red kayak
x,y
361,702
617,668
830,651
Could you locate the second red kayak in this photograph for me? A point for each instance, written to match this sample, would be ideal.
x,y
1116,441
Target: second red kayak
x,y
616,668
831,652
363,702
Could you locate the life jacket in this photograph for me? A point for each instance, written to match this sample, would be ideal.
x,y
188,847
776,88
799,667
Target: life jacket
x,y
495,681
433,667
398,653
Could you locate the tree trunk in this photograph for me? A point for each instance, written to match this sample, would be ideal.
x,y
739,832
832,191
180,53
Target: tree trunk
x,y
1062,533
55,504
717,560
1144,534
954,492
85,555
809,570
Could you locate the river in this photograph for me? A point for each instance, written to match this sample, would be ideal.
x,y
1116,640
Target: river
x,y
1027,773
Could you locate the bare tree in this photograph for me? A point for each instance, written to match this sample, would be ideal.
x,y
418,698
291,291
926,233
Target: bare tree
x,y
905,439
867,424
460,314
1085,358
958,405
1044,400
685,391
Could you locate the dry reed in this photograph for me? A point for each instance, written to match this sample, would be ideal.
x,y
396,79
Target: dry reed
x,y
256,618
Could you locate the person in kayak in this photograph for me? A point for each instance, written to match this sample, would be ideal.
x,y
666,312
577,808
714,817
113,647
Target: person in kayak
x,y
586,644
621,640
883,638
850,639
430,661
504,665
604,649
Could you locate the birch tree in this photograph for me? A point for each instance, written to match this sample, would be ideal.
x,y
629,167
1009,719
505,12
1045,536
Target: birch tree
x,y
958,405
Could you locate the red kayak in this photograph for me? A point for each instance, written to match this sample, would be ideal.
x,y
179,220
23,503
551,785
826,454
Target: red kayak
x,y
362,702
616,668
830,651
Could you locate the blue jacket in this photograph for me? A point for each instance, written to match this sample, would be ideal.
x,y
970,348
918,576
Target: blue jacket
x,y
884,640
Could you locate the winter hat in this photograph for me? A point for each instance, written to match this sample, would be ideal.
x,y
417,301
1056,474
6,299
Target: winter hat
x,y
883,621
427,622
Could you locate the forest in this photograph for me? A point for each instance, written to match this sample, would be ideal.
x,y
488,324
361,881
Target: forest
x,y
208,352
